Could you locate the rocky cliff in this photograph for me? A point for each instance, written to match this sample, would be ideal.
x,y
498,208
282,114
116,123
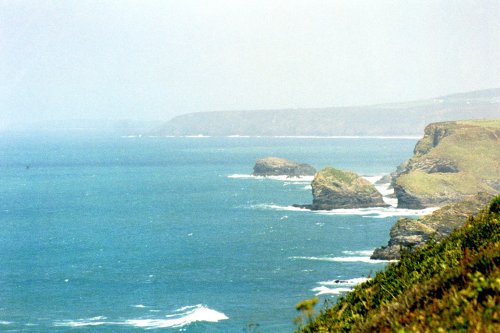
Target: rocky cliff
x,y
451,162
275,166
412,233
334,189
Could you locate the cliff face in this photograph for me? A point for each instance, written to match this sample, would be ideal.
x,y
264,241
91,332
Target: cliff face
x,y
452,161
412,233
333,189
274,166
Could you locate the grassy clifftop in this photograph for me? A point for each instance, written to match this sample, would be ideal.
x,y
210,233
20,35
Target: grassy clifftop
x,y
453,285
453,160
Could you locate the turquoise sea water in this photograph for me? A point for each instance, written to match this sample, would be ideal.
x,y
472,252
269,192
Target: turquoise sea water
x,y
171,234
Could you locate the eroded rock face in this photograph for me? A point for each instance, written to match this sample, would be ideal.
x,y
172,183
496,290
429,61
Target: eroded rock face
x,y
411,233
334,189
453,161
275,166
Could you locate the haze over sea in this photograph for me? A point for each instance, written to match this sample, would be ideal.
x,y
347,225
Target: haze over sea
x,y
104,234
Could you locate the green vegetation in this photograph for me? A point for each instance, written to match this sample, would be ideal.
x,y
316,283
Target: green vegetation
x,y
453,285
441,184
332,175
453,160
483,123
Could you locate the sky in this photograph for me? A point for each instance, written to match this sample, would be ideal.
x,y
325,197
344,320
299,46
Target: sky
x,y
153,60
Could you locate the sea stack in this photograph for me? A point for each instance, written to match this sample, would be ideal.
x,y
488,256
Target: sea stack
x,y
334,189
275,166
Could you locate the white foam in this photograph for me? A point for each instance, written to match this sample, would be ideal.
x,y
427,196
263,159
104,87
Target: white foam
x,y
284,178
191,315
375,212
373,179
342,259
379,212
5,322
348,282
360,252
139,306
322,290
385,189
280,208
179,318
81,323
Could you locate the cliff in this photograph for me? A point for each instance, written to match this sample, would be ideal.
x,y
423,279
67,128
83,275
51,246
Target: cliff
x,y
375,120
334,189
275,166
412,233
453,161
450,286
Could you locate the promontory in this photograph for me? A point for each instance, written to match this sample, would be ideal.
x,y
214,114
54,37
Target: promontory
x,y
453,161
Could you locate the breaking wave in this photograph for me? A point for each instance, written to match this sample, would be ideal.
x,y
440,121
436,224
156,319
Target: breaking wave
x,y
322,290
364,259
179,318
284,178
348,282
375,212
343,286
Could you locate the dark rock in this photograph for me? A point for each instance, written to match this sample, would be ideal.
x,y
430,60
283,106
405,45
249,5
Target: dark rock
x,y
387,253
386,179
274,166
412,233
334,189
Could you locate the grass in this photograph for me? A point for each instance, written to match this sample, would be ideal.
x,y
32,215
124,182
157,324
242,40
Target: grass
x,y
453,285
492,123
441,184
330,174
474,148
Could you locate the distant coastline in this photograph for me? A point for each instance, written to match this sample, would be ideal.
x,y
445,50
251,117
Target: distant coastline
x,y
376,137
384,120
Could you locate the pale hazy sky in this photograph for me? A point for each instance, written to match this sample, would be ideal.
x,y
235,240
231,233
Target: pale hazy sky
x,y
156,59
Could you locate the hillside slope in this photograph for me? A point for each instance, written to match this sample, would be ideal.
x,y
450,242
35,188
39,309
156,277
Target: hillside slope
x,y
410,233
453,285
397,119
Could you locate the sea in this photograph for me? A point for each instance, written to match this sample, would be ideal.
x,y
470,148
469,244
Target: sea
x,y
174,234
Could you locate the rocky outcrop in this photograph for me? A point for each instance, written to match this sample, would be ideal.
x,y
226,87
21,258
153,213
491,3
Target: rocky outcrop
x,y
274,166
451,162
334,189
411,233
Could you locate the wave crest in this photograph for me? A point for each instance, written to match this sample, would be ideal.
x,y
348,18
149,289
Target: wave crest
x,y
284,178
375,212
181,317
342,259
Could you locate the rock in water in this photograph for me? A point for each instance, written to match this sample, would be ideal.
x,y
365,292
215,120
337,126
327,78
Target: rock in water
x,y
275,166
334,189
